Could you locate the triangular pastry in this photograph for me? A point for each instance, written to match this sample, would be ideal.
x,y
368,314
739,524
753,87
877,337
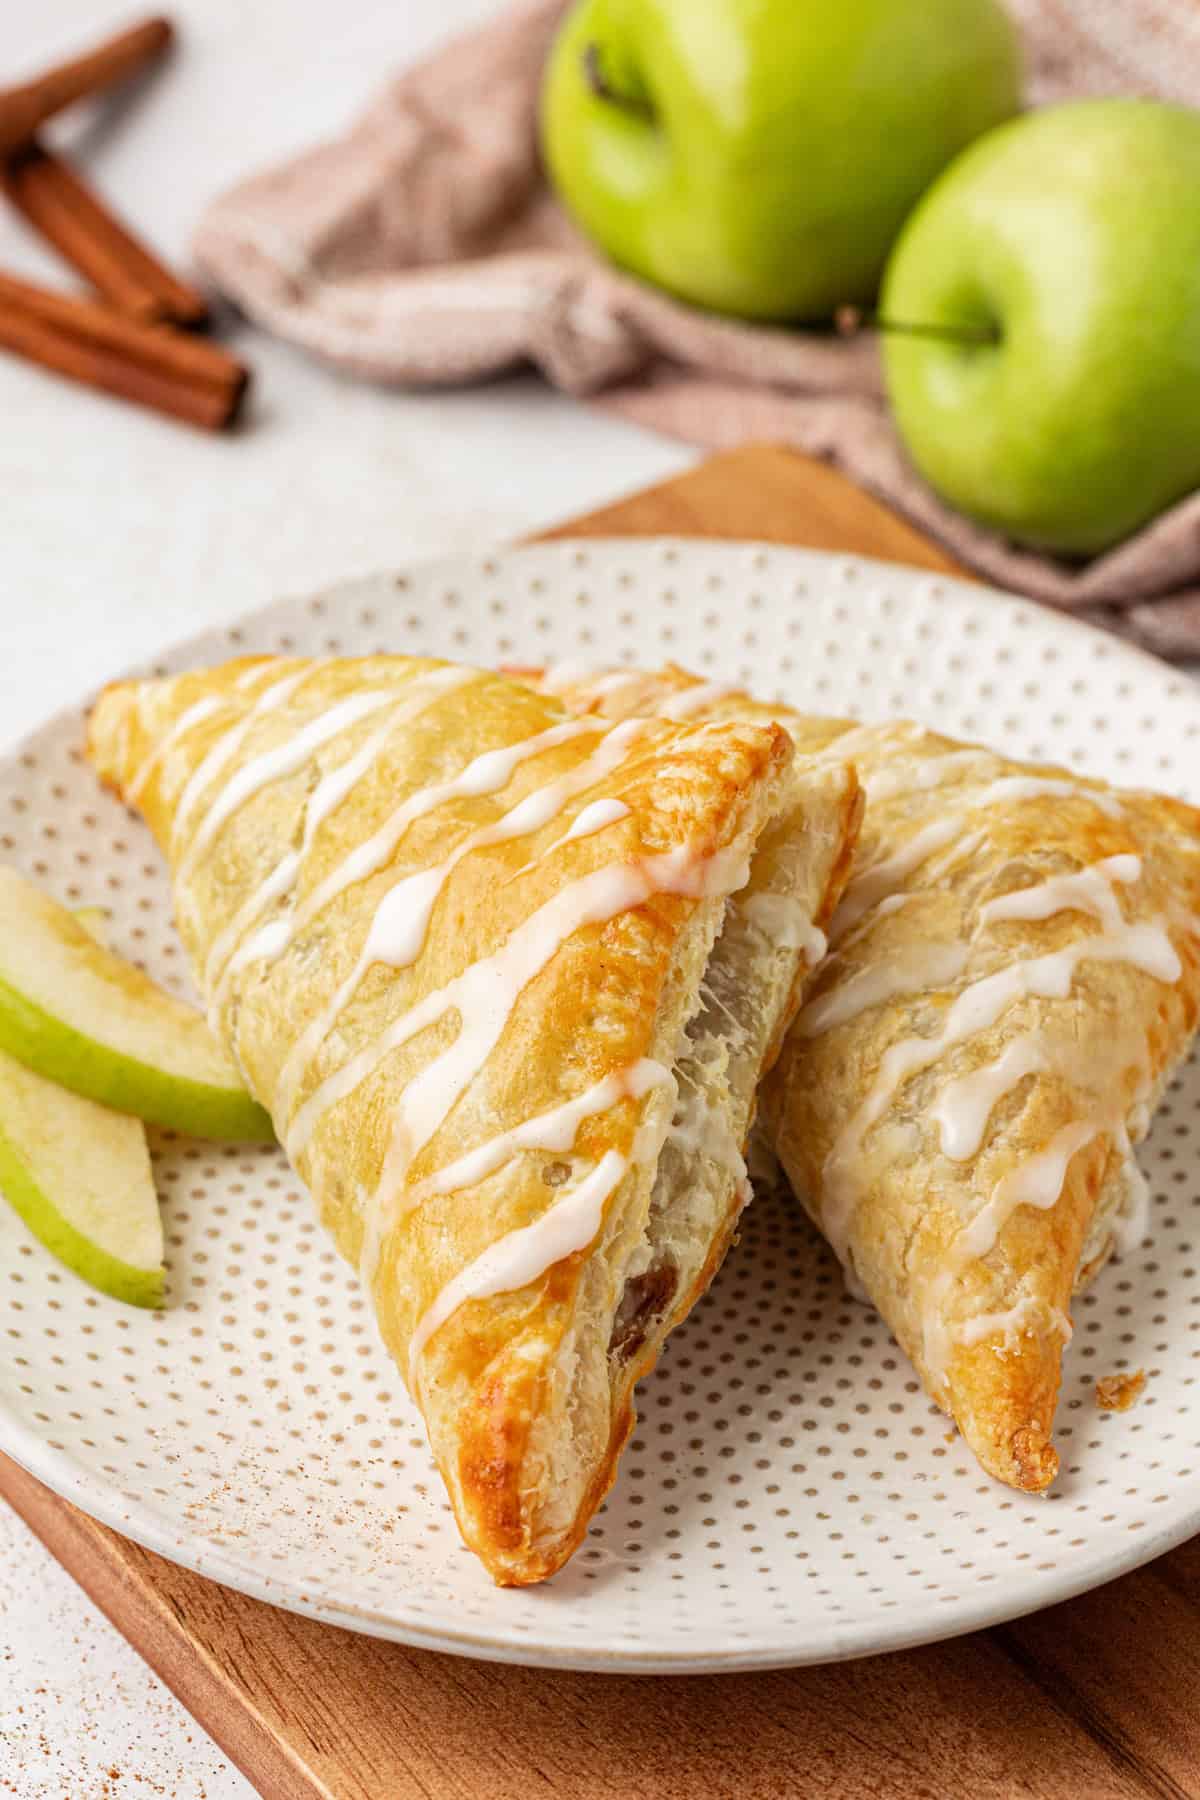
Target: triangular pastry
x,y
1014,973
502,978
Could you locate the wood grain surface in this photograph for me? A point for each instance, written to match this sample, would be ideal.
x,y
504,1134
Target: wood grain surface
x,y
1095,1698
771,494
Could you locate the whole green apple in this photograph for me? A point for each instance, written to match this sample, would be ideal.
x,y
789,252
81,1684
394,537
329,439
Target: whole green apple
x,y
758,156
1069,242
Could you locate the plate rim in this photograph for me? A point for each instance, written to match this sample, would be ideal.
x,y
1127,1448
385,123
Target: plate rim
x,y
101,1501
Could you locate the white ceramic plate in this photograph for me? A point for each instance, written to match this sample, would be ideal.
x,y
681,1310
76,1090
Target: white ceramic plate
x,y
789,1494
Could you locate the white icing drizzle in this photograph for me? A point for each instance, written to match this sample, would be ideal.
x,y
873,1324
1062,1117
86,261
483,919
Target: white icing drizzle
x,y
588,682
587,822
611,681
195,714
397,933
522,1256
879,881
963,1108
883,877
568,672
1037,1182
281,760
785,921
1088,890
487,773
930,772
553,1130
328,794
924,966
1013,1321
231,741
1147,947
1130,1221
485,992
687,704
488,990
272,940
1034,787
860,739
401,923
593,818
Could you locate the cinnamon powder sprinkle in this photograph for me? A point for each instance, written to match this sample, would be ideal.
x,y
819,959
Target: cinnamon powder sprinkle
x,y
1117,1393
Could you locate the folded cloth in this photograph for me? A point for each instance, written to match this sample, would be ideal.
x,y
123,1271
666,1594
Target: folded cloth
x,y
425,248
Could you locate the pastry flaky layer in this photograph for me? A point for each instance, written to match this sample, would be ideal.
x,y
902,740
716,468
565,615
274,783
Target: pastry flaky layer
x,y
506,979
1014,971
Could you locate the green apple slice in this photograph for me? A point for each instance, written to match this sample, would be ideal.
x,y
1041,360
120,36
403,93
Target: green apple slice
x,y
80,1177
76,1013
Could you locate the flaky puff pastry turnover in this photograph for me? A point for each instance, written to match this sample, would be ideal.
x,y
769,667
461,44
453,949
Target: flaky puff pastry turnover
x,y
1014,972
506,980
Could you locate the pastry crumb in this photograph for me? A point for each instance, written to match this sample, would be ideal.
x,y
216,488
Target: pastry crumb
x,y
1117,1393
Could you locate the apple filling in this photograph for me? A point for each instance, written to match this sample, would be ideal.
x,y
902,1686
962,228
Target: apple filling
x,y
725,1002
744,994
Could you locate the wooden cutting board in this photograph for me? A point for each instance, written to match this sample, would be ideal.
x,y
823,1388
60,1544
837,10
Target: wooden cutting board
x,y
1098,1697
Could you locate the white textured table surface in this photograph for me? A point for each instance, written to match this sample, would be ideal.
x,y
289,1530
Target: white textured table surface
x,y
120,532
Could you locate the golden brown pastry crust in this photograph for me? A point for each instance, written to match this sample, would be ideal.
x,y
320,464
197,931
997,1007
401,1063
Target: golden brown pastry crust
x,y
544,966
951,832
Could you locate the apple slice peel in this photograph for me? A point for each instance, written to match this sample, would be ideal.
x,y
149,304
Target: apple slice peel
x,y
79,1176
76,1013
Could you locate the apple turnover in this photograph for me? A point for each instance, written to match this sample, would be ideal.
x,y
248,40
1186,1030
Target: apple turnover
x,y
1013,974
506,980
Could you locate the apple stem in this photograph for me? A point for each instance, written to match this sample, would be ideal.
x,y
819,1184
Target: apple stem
x,y
850,320
602,88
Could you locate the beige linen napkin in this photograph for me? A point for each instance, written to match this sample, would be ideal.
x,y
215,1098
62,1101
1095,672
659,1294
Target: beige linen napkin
x,y
424,248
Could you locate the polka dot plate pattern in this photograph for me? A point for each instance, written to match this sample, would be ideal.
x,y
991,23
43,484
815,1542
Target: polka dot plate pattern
x,y
789,1494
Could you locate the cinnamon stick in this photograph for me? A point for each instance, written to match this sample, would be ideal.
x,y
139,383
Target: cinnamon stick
x,y
24,108
153,365
57,203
